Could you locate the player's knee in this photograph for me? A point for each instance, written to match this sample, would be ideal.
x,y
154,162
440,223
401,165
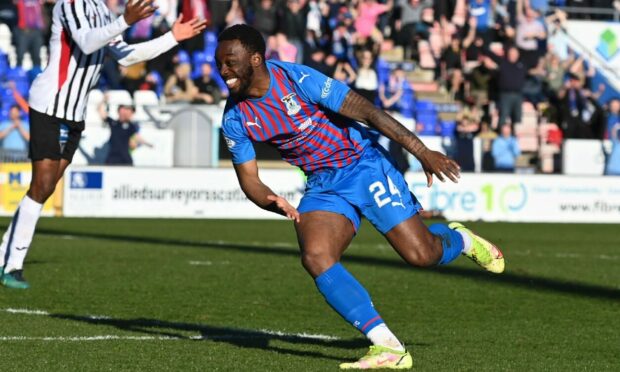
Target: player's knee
x,y
41,189
316,263
426,254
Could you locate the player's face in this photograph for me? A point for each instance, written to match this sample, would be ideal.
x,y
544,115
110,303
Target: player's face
x,y
235,66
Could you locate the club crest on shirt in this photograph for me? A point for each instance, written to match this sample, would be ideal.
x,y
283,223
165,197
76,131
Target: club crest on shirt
x,y
292,106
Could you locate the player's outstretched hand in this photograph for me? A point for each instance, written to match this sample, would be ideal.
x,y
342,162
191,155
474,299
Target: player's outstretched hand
x,y
136,10
185,30
436,163
290,211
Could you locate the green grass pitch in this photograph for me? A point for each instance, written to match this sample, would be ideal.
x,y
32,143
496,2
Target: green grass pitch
x,y
205,295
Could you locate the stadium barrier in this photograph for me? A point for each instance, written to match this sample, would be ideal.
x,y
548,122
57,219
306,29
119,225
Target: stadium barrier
x,y
14,181
215,193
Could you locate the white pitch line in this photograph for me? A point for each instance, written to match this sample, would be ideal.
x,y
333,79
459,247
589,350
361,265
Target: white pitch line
x,y
566,255
208,263
252,334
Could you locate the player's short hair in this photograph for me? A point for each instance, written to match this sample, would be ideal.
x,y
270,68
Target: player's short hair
x,y
250,38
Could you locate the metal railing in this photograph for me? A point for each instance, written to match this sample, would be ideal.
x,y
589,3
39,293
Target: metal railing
x,y
13,156
613,13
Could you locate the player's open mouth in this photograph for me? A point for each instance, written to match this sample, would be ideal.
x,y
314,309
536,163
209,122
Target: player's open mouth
x,y
231,82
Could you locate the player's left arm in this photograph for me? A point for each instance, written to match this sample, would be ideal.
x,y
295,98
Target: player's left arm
x,y
128,54
435,163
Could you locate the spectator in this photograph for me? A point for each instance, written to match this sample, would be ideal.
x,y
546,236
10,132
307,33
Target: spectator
x,y
15,134
579,111
408,24
487,136
481,10
287,51
554,76
511,77
368,12
452,66
344,72
208,90
124,135
612,165
234,16
29,31
533,86
293,24
505,150
391,92
179,87
265,16
529,31
613,117
468,123
367,82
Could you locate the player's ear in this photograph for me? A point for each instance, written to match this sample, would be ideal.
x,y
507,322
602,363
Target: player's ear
x,y
256,59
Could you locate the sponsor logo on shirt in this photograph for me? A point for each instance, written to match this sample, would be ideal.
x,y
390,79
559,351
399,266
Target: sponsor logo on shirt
x,y
305,125
327,87
292,106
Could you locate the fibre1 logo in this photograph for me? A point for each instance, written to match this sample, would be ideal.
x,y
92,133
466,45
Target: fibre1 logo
x,y
488,198
608,44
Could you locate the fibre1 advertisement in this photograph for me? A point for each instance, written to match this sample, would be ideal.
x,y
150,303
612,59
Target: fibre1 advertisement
x,y
522,198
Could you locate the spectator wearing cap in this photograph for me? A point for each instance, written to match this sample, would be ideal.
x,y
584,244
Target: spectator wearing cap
x,y
124,135
179,86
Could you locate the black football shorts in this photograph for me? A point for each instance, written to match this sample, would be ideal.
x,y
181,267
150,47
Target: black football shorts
x,y
45,137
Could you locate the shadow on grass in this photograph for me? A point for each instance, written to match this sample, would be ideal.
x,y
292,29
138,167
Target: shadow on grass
x,y
256,339
510,279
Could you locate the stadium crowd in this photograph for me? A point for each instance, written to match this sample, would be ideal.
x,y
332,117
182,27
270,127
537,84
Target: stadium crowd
x,y
497,70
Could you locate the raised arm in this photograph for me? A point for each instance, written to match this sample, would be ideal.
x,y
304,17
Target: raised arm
x,y
260,194
128,54
434,163
90,38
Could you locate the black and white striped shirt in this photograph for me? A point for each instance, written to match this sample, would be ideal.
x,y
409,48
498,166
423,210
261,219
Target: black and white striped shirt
x,y
82,32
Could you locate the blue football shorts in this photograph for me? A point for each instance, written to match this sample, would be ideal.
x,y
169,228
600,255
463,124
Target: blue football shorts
x,y
371,187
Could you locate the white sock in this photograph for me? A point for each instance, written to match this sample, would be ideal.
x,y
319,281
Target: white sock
x,y
382,336
467,243
25,221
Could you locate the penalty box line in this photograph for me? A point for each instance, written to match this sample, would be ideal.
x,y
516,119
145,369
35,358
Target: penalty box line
x,y
252,334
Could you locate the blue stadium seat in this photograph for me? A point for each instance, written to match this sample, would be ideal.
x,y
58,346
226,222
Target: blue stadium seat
x,y
448,128
425,106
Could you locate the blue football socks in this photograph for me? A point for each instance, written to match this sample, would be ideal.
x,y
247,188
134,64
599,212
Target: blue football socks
x,y
347,296
451,241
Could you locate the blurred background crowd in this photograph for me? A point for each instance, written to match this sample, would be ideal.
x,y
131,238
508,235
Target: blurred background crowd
x,y
493,83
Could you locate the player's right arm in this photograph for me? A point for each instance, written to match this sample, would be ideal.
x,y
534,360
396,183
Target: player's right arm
x,y
246,168
90,39
260,194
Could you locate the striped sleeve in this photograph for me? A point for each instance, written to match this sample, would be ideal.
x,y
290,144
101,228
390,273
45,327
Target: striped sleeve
x,y
89,39
128,54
